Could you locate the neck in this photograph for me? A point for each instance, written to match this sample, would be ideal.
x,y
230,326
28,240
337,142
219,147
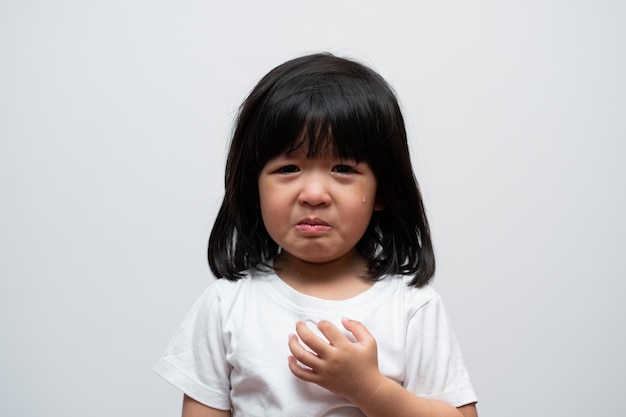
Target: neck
x,y
339,279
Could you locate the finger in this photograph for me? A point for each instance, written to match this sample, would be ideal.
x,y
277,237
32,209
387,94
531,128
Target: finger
x,y
305,374
332,333
304,356
310,339
357,328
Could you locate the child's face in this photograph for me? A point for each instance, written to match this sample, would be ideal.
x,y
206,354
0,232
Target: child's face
x,y
316,209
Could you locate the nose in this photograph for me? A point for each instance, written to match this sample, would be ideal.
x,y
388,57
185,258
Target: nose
x,y
314,190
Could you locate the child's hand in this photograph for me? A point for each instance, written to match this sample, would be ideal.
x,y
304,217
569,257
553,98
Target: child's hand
x,y
346,368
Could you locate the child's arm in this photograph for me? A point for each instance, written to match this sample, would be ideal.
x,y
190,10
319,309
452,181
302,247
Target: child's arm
x,y
351,370
192,408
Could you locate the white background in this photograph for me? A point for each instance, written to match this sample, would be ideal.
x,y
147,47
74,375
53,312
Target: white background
x,y
114,121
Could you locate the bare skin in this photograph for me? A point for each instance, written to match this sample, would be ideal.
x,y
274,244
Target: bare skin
x,y
339,279
350,369
316,210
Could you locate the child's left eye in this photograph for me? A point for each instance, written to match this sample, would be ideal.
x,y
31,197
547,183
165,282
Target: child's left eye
x,y
343,169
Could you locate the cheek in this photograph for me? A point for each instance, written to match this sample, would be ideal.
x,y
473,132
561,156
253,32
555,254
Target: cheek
x,y
266,209
265,194
370,196
361,208
272,209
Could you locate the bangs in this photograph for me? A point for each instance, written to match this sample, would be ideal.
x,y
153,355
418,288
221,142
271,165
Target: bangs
x,y
329,116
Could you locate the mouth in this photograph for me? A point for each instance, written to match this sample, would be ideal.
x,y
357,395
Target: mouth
x,y
312,225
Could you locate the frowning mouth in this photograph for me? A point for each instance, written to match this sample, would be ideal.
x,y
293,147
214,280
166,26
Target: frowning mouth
x,y
312,225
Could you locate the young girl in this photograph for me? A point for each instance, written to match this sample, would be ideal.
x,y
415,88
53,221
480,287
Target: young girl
x,y
323,245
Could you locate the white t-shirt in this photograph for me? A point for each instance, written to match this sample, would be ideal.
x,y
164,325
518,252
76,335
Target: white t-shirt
x,y
231,350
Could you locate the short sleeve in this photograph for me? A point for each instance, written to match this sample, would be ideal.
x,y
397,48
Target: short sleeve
x,y
195,359
434,365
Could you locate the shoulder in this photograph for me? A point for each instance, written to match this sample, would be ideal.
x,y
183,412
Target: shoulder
x,y
226,290
414,297
421,304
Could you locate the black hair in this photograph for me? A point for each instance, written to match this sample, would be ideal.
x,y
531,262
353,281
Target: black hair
x,y
325,103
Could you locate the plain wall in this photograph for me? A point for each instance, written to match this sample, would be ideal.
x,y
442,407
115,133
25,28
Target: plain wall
x,y
114,122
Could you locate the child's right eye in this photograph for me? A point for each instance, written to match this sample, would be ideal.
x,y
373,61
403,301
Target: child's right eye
x,y
288,169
